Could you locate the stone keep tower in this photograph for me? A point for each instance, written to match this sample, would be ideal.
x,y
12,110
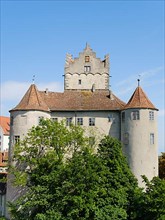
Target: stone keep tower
x,y
139,135
86,72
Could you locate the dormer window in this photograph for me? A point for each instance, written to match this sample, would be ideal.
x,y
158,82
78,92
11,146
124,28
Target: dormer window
x,y
87,59
87,68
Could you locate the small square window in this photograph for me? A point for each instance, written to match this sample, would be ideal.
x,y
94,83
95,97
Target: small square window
x,y
151,115
55,119
87,59
135,115
68,121
79,121
87,68
16,139
91,121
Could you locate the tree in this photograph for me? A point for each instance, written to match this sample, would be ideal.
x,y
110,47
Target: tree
x,y
39,161
162,166
86,185
66,179
151,204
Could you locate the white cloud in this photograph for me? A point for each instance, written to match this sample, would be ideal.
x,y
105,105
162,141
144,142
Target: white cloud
x,y
13,91
125,86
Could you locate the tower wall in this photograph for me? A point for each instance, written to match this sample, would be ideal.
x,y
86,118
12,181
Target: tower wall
x,y
140,142
21,122
86,71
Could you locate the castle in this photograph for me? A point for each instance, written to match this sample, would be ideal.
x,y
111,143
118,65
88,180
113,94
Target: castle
x,y
88,102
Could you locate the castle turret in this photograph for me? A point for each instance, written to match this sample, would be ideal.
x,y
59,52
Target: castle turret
x,y
139,135
26,114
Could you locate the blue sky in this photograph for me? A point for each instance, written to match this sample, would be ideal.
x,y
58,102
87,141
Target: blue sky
x,y
36,35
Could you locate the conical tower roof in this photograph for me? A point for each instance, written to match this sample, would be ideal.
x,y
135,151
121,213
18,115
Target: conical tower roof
x,y
32,101
139,100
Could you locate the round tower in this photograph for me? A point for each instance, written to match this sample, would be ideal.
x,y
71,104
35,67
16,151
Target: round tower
x,y
26,114
139,135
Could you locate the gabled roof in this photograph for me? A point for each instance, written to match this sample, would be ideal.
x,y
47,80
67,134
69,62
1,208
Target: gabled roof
x,y
32,101
139,100
5,124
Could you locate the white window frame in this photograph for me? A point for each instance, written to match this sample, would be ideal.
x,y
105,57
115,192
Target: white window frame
x,y
87,69
135,115
79,121
151,115
68,121
54,119
16,139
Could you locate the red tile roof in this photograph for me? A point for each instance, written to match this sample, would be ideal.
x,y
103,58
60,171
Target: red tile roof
x,y
32,101
139,100
69,100
80,100
5,124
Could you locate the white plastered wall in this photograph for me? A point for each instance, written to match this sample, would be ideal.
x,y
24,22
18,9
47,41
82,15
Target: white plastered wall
x,y
141,154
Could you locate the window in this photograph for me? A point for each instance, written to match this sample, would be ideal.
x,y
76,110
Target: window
x,y
68,121
151,115
151,138
135,115
79,81
87,68
55,119
123,116
87,59
79,121
16,139
91,121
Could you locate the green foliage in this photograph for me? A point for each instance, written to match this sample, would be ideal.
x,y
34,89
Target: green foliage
x,y
162,166
65,180
152,202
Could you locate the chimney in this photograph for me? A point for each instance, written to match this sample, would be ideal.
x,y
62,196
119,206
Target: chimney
x,y
111,95
93,88
46,91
